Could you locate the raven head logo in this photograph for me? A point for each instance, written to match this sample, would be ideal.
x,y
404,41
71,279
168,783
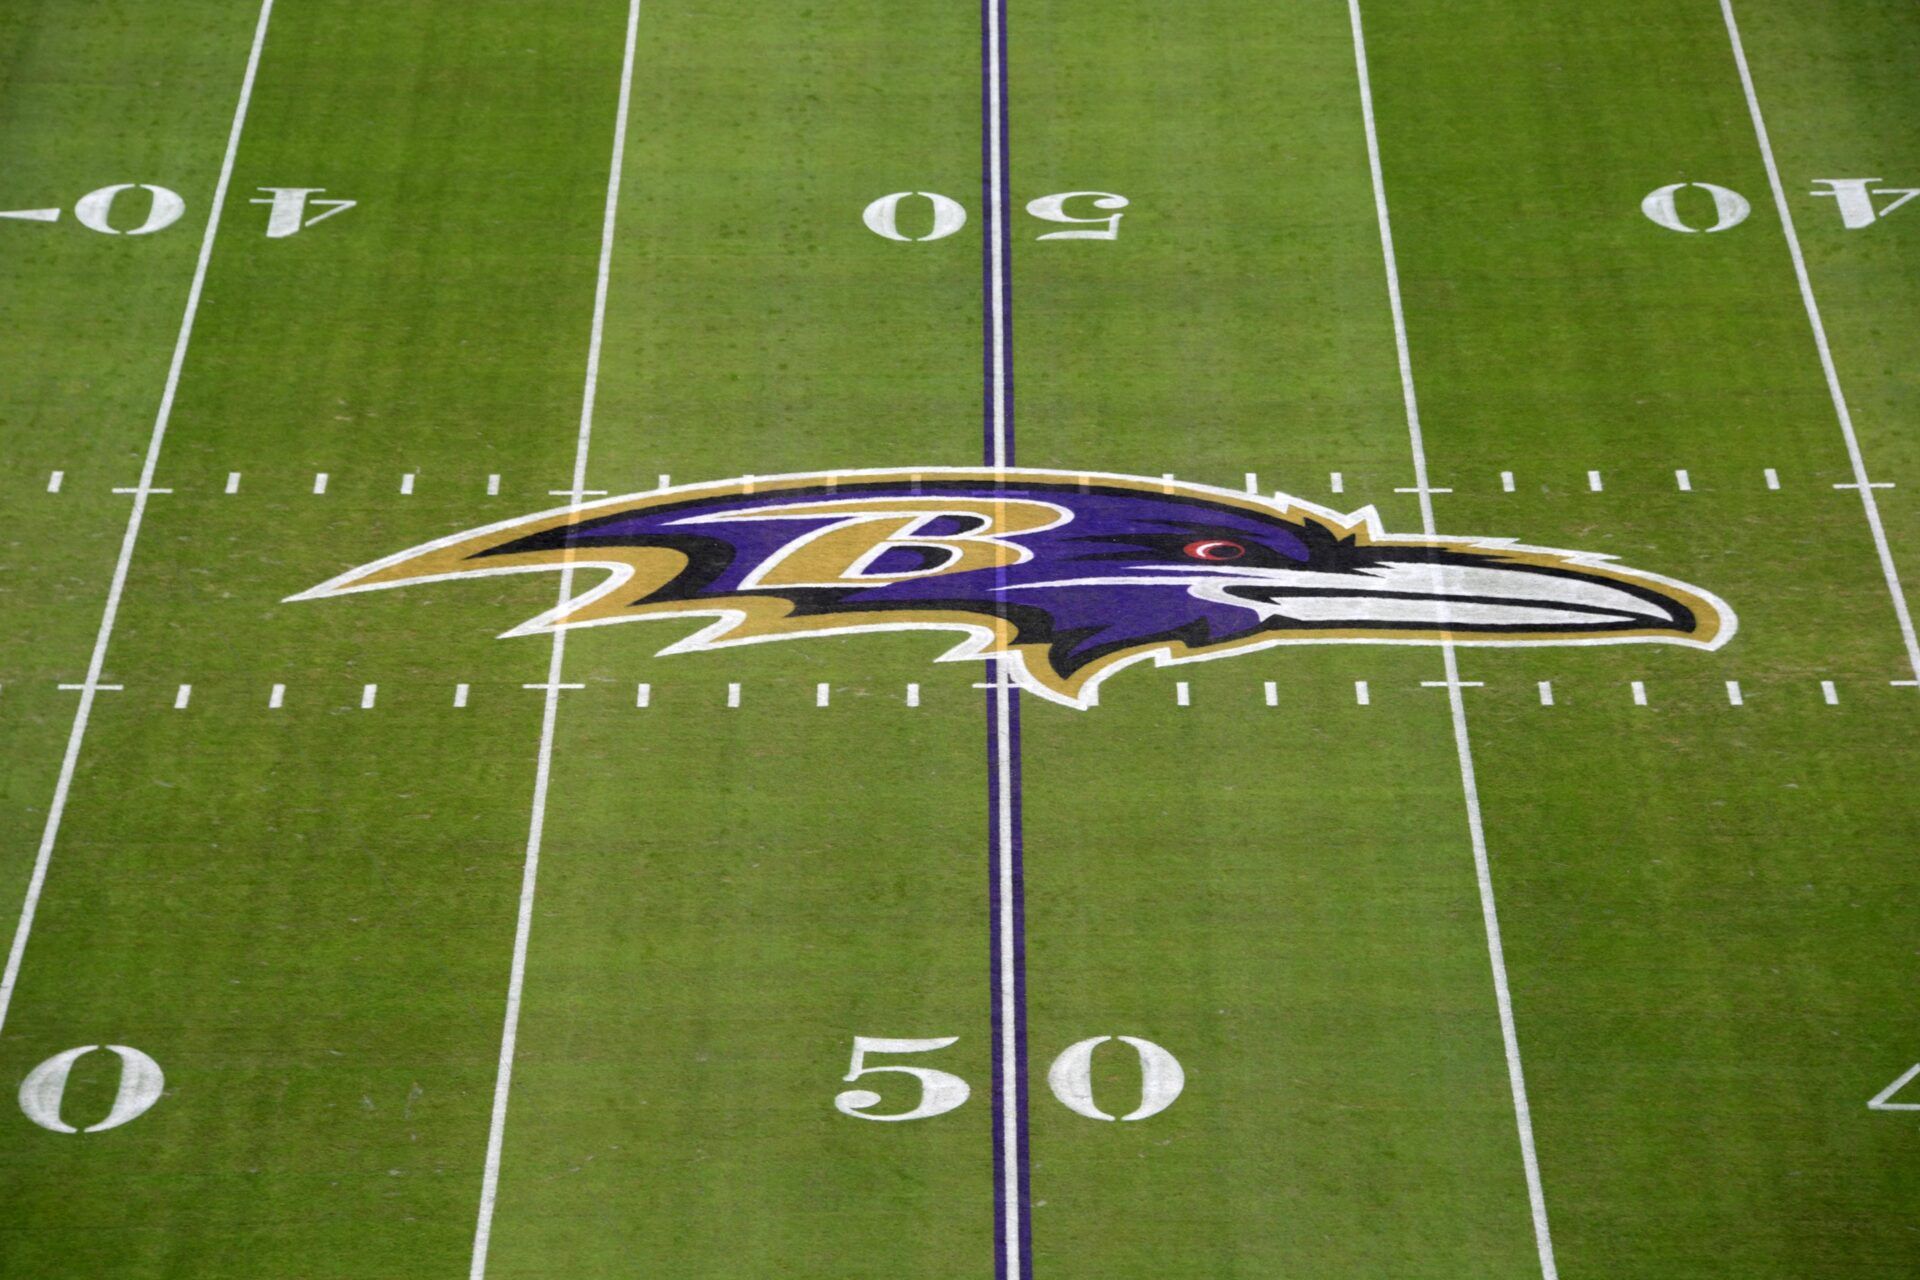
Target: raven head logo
x,y
1065,576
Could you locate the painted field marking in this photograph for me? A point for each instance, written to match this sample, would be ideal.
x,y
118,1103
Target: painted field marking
x,y
31,215
576,493
1772,478
63,784
459,696
1463,745
643,695
1421,490
1453,684
44,1089
1182,696
1829,694
406,484
1863,487
1166,482
92,687
1272,691
913,695
550,707
1546,693
493,485
1006,942
1335,483
1869,505
1734,697
1362,696
55,480
1683,481
666,481
733,695
233,482
1253,482
276,697
1593,482
368,693
822,694
182,696
1882,1101
1639,693
1506,482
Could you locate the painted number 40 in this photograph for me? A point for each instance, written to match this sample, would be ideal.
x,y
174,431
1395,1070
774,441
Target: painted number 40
x,y
1070,1077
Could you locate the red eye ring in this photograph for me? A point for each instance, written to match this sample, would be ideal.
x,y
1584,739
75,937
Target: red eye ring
x,y
1214,550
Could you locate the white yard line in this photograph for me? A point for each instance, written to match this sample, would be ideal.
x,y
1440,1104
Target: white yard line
x,y
50,833
1868,502
1463,746
550,709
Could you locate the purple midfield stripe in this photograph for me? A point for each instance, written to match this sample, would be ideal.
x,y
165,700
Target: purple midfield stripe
x,y
1019,908
998,1068
990,408
1006,896
1003,207
996,250
1007,963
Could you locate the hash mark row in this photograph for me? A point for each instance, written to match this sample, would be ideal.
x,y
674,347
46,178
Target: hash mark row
x,y
368,699
1595,482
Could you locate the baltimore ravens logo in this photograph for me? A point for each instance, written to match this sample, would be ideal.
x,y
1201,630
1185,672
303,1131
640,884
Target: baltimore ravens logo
x,y
1066,577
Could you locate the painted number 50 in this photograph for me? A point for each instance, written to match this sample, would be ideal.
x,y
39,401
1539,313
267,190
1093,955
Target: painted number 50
x,y
945,215
1070,1078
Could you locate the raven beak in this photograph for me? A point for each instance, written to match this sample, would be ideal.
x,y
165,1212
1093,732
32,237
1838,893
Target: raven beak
x,y
1532,598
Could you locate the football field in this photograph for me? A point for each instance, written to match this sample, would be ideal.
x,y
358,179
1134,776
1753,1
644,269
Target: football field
x,y
1004,639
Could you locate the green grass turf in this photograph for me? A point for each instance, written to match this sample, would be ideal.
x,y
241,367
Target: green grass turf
x,y
306,915
1707,913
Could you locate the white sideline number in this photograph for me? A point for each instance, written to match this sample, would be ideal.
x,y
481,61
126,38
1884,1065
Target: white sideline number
x,y
1053,209
1883,1101
882,216
287,214
1730,208
94,210
1854,197
940,1091
1071,1078
46,1085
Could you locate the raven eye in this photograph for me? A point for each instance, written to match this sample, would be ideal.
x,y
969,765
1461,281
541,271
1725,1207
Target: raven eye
x,y
1214,549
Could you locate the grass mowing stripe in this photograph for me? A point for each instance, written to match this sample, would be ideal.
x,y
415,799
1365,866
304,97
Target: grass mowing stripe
x,y
1869,505
1006,899
50,833
550,708
1463,745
